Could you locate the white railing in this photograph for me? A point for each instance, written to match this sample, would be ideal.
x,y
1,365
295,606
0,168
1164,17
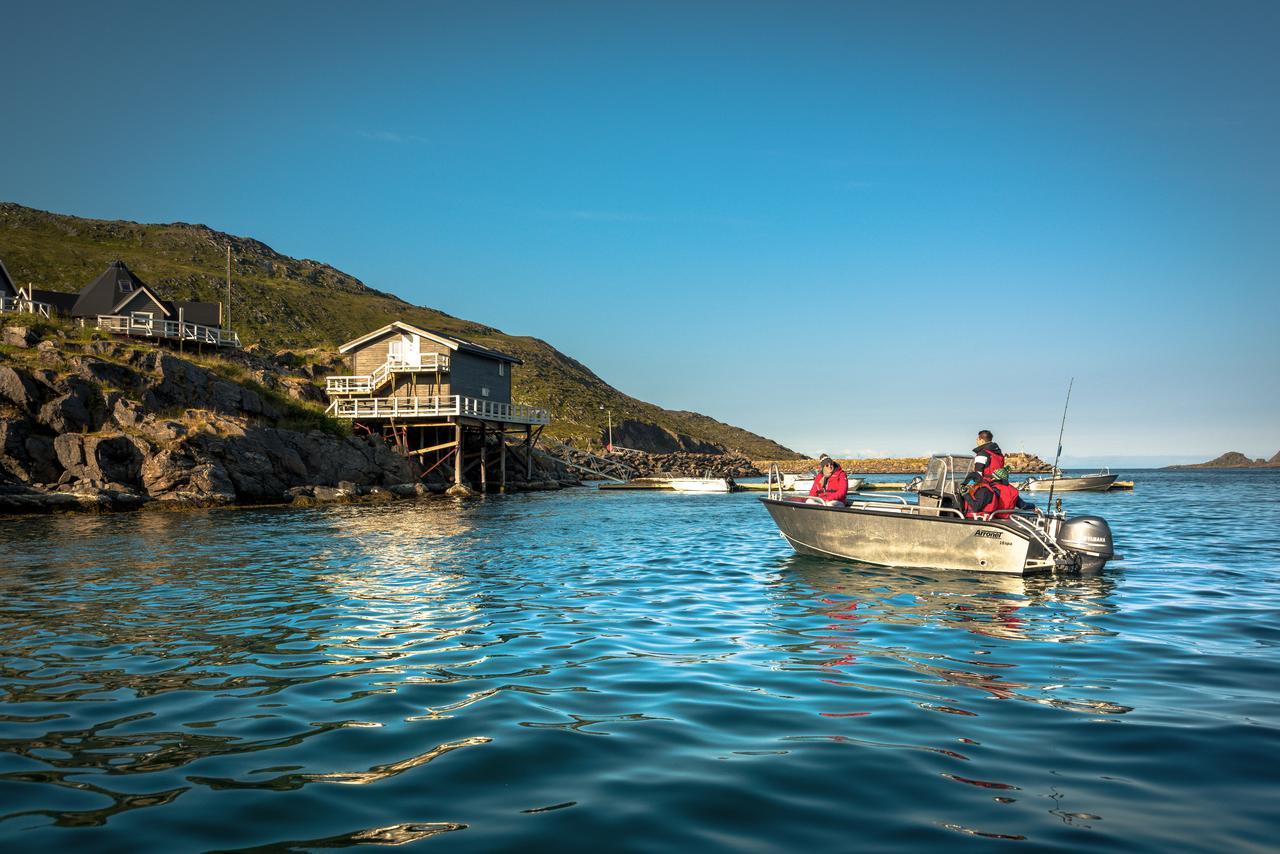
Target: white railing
x,y
439,405
182,331
370,383
21,305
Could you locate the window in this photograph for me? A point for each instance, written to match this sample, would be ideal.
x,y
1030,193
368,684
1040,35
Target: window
x,y
484,392
126,285
502,369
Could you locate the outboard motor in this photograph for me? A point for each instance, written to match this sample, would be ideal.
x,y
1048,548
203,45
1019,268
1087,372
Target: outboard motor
x,y
1089,539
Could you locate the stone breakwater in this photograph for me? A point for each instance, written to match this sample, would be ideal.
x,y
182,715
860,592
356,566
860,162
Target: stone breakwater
x,y
1019,463
99,425
685,464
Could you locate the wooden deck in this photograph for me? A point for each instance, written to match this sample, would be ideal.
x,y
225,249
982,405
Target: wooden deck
x,y
18,305
168,329
452,405
367,384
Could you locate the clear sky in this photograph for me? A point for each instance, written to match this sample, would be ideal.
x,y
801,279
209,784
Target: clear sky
x,y
856,228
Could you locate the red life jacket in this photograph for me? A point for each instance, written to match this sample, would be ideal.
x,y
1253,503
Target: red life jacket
x,y
1004,496
995,460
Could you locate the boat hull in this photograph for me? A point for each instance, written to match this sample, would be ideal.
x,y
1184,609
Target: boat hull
x,y
904,536
1088,483
699,484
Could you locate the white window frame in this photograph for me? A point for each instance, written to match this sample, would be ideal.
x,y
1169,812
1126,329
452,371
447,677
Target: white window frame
x,y
484,391
502,369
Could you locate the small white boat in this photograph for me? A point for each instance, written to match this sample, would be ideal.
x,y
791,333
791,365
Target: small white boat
x,y
1059,482
797,482
702,484
803,483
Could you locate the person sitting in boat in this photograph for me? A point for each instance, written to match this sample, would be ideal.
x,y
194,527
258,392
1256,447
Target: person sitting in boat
x,y
831,486
987,490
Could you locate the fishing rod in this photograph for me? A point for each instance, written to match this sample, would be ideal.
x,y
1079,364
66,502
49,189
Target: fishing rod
x,y
1053,480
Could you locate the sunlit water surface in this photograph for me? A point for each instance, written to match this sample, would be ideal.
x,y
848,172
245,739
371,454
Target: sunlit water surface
x,y
633,671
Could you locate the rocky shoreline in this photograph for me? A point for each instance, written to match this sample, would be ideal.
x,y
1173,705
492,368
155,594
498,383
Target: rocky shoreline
x,y
88,423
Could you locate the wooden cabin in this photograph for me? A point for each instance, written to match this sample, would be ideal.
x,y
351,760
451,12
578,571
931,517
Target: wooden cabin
x,y
13,299
120,302
434,395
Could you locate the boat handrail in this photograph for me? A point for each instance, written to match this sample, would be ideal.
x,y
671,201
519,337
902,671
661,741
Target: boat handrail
x,y
775,476
882,499
1017,517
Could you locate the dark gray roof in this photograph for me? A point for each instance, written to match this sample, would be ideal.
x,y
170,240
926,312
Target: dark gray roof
x,y
104,293
7,287
451,340
60,300
203,313
481,350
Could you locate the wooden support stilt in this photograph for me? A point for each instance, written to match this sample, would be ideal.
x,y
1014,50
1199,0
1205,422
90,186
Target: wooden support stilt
x,y
484,479
502,460
528,453
457,469
440,447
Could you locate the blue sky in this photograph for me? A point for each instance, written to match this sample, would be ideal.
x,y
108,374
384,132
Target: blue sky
x,y
854,228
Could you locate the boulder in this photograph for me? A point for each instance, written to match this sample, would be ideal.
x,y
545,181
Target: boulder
x,y
20,389
19,336
81,408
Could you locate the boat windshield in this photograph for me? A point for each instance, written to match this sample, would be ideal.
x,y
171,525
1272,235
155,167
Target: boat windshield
x,y
945,472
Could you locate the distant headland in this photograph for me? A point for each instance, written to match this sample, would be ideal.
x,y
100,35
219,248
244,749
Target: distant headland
x,y
1231,460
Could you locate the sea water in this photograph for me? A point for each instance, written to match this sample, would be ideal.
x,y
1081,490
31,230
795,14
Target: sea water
x,y
639,671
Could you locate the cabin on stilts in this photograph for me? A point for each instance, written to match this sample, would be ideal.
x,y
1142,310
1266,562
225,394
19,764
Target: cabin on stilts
x,y
440,399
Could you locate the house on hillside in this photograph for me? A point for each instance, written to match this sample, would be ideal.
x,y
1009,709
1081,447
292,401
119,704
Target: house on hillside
x,y
436,396
14,300
120,302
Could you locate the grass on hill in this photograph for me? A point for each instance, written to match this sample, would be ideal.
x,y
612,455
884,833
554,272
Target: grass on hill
x,y
297,303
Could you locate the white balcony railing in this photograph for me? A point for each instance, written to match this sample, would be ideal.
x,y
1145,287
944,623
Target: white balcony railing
x,y
173,329
368,384
20,305
439,405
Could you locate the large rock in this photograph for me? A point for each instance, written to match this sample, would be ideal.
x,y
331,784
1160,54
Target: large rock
x,y
19,388
102,460
18,336
81,408
26,454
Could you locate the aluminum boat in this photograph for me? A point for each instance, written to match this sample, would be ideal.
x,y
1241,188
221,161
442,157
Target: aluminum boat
x,y
934,533
1098,482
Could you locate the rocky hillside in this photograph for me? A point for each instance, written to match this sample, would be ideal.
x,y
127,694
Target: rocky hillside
x,y
92,423
288,302
1232,460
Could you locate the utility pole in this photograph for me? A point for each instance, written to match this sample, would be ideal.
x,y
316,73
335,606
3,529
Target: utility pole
x,y
228,286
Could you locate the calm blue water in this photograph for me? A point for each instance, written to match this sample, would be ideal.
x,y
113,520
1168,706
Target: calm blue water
x,y
633,671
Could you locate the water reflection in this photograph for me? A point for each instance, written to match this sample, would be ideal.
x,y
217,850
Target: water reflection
x,y
1001,611
1035,607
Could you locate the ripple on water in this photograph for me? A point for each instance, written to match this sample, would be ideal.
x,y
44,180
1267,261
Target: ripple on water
x,y
598,670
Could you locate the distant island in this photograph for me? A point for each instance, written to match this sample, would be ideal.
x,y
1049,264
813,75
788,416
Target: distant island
x,y
1231,460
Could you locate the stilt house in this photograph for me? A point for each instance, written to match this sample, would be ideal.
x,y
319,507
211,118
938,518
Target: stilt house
x,y
435,396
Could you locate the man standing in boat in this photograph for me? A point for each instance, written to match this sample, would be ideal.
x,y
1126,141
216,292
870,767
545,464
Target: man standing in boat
x,y
831,486
986,489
